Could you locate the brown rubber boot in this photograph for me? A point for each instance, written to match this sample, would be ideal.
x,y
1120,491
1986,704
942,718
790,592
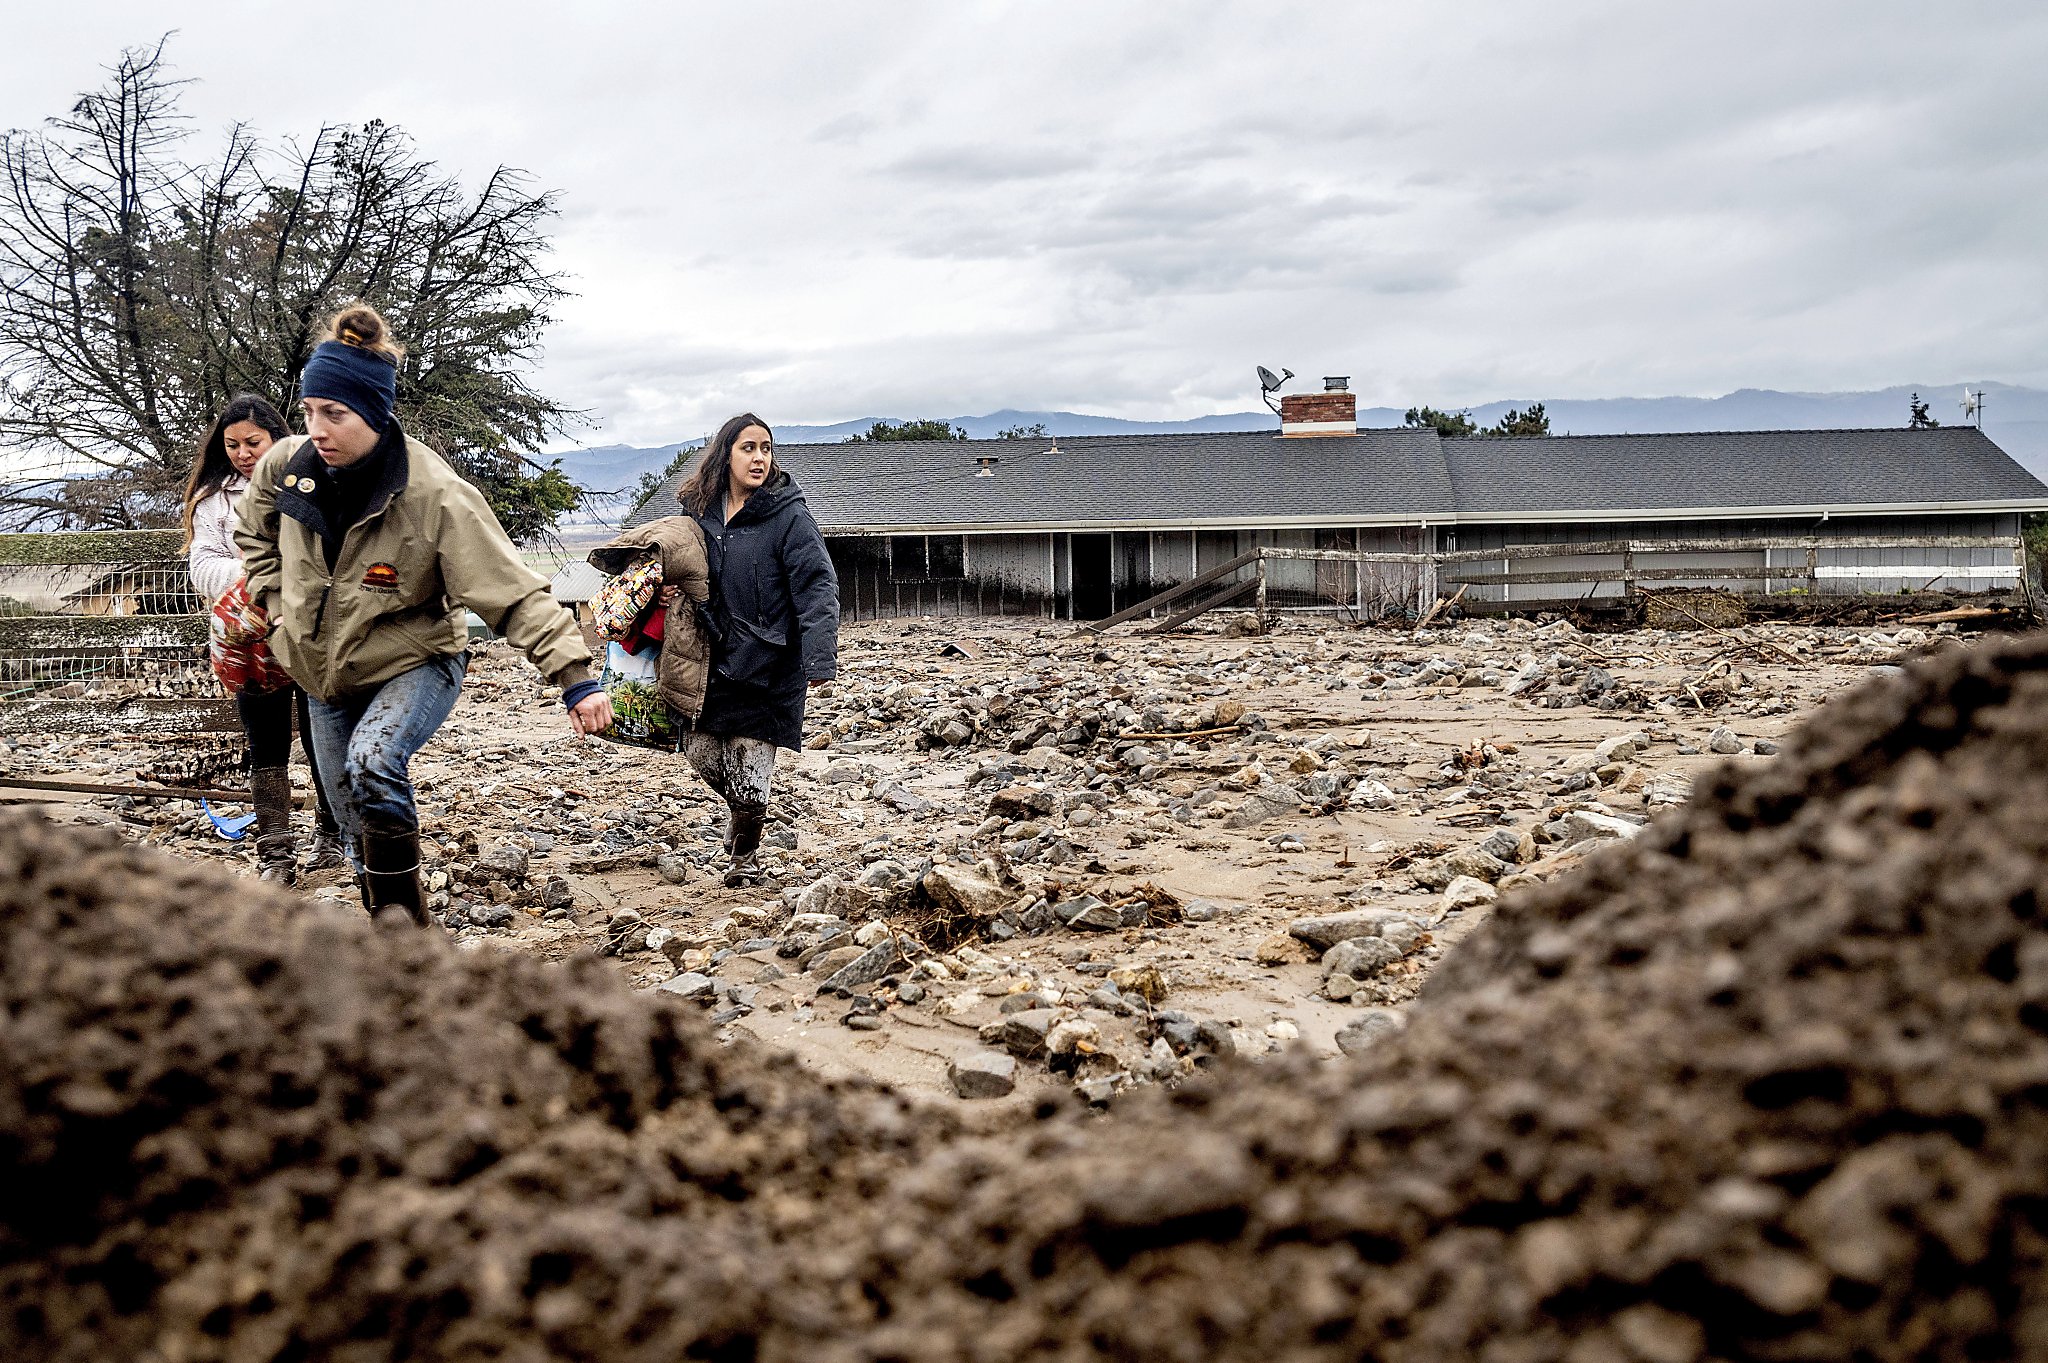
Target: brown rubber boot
x,y
391,874
270,790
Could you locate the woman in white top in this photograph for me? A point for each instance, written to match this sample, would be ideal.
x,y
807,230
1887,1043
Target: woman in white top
x,y
247,427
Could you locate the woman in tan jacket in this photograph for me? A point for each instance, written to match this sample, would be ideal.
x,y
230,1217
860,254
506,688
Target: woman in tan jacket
x,y
363,549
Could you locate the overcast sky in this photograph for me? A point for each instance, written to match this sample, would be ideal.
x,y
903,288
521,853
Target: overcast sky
x,y
831,210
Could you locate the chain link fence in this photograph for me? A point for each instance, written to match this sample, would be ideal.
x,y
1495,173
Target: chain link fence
x,y
101,632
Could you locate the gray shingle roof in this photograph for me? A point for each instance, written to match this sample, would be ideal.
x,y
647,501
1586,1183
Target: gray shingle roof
x,y
1178,479
1255,478
1607,473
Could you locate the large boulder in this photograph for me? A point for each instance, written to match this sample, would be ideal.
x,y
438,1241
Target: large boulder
x,y
1472,861
1271,800
1021,802
1327,930
983,1074
966,893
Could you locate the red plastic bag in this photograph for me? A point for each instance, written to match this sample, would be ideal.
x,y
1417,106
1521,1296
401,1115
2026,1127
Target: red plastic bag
x,y
235,644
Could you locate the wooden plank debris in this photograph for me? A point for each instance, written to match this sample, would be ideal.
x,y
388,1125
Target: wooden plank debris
x,y
1443,604
139,790
1174,593
1235,591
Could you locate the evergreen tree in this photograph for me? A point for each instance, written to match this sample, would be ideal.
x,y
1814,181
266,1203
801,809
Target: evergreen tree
x,y
930,428
1444,423
1530,422
140,290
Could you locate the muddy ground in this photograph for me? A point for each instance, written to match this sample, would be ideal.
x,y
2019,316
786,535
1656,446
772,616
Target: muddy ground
x,y
1767,1080
1195,796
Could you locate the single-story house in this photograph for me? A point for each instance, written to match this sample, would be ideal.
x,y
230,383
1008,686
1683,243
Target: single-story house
x,y
134,589
1081,527
574,584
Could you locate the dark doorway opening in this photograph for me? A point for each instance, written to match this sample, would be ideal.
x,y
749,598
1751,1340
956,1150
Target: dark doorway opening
x,y
1091,577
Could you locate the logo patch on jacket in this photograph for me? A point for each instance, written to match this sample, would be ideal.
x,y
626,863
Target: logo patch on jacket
x,y
381,577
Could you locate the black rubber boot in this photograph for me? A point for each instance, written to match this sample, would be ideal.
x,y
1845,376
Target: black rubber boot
x,y
270,790
325,852
391,874
744,842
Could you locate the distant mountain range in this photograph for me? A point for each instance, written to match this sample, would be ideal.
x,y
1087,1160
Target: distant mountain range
x,y
2015,417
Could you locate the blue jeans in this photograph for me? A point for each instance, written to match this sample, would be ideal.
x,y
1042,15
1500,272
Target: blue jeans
x,y
366,746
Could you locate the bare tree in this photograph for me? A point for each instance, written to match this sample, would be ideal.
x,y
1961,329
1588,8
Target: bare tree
x,y
141,291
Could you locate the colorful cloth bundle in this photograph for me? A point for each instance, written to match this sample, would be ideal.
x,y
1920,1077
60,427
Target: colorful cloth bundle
x,y
235,644
622,600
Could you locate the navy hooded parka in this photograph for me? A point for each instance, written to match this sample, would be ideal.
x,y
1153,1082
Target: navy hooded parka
x,y
775,602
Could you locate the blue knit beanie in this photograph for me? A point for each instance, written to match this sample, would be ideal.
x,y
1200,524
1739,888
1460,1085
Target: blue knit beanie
x,y
361,380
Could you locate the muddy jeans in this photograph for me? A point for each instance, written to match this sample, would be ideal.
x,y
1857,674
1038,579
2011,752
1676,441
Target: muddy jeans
x,y
739,769
366,745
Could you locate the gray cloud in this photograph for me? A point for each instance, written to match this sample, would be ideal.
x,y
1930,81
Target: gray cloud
x,y
846,128
981,164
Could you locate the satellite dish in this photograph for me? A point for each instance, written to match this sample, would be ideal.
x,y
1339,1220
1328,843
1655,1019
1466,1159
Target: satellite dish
x,y
1269,384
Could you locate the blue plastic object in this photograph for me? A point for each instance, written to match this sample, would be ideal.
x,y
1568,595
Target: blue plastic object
x,y
231,828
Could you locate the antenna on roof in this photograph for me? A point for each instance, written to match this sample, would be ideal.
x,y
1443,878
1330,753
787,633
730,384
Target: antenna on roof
x,y
1269,385
1973,406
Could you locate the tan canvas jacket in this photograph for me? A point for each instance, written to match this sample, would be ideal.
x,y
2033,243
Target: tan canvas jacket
x,y
685,667
427,546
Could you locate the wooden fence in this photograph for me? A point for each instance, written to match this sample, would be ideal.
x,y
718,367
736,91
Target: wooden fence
x,y
1789,564
1249,579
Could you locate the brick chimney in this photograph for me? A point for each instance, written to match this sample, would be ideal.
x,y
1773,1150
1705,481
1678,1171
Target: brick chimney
x,y
1334,411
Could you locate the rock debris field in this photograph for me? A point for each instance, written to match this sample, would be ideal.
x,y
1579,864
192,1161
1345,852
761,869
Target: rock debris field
x,y
1021,860
1766,1079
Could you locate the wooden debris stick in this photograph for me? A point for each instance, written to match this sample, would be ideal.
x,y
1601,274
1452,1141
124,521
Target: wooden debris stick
x,y
1173,593
1204,606
1442,604
1958,615
1191,733
105,788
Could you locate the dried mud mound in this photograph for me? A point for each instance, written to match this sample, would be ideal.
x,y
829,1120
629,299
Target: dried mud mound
x,y
1771,1082
244,1131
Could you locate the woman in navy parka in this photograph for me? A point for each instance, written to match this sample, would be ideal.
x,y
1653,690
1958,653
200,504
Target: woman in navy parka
x,y
775,612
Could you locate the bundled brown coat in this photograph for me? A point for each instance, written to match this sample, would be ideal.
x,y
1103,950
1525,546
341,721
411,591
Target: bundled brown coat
x,y
685,666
